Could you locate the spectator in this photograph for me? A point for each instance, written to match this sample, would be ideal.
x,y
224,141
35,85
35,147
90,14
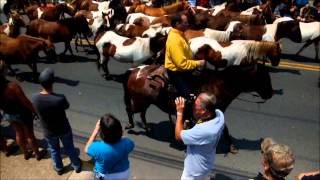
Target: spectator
x,y
178,56
277,160
203,138
314,175
19,112
9,150
111,154
51,109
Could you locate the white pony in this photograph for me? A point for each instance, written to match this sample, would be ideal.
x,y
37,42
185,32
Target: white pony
x,y
128,50
239,52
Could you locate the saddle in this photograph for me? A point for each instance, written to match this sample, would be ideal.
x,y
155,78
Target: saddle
x,y
155,81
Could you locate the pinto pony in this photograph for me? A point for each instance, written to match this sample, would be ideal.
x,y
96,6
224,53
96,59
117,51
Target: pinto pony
x,y
237,52
23,49
146,85
123,49
300,32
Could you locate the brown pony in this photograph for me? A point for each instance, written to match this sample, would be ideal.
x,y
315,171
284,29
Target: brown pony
x,y
62,31
48,13
173,8
146,85
24,49
12,28
223,18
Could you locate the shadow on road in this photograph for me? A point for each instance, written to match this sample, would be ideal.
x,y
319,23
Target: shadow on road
x,y
283,70
74,58
297,58
164,131
27,76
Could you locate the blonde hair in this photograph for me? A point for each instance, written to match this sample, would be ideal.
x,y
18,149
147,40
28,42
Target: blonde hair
x,y
280,159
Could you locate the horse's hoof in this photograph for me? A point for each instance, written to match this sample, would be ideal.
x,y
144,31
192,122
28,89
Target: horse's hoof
x,y
233,149
129,126
107,77
148,130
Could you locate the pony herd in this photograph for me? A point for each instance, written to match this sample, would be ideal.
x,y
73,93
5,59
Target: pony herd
x,y
235,44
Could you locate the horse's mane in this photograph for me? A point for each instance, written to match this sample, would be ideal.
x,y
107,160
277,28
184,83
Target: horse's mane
x,y
258,49
221,36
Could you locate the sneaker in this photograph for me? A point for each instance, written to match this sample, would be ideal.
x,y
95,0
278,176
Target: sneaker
x,y
79,169
60,172
12,150
28,155
42,154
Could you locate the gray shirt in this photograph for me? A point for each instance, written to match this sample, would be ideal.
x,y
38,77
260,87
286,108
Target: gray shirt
x,y
51,109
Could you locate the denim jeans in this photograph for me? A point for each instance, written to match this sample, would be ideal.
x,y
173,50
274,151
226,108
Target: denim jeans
x,y
54,149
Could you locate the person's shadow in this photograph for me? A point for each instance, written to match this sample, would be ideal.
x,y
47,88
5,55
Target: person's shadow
x,y
161,131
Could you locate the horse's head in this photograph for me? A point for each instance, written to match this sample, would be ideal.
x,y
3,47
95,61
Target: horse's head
x,y
17,19
274,54
66,8
158,43
259,80
267,13
212,56
199,21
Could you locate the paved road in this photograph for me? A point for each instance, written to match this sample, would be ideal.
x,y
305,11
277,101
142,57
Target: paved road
x,y
291,116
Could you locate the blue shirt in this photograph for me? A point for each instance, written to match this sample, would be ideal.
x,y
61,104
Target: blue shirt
x,y
201,142
111,158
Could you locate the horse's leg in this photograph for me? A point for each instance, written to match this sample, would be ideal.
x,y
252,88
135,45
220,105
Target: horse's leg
x,y
144,120
316,48
227,137
69,47
33,67
304,46
127,102
76,42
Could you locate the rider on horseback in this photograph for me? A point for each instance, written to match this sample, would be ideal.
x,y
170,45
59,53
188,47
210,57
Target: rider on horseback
x,y
178,57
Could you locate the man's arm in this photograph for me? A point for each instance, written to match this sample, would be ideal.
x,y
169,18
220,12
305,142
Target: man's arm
x,y
92,137
179,58
179,122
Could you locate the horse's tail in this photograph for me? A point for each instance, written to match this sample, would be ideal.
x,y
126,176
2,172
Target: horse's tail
x,y
96,51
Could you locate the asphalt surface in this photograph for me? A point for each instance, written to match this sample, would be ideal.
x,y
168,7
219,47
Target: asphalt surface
x,y
291,116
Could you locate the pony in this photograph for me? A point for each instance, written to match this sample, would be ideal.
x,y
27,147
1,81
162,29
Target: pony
x,y
24,49
237,52
61,31
221,20
49,13
300,32
132,30
221,36
123,49
169,9
13,27
146,85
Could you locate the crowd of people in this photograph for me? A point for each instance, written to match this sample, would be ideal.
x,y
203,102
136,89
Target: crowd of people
x,y
111,153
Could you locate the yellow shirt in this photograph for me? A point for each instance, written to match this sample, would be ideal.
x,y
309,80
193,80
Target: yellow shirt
x,y
178,55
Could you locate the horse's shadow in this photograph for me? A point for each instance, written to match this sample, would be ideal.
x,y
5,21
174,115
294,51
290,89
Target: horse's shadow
x,y
28,76
64,58
298,58
241,144
283,70
162,131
